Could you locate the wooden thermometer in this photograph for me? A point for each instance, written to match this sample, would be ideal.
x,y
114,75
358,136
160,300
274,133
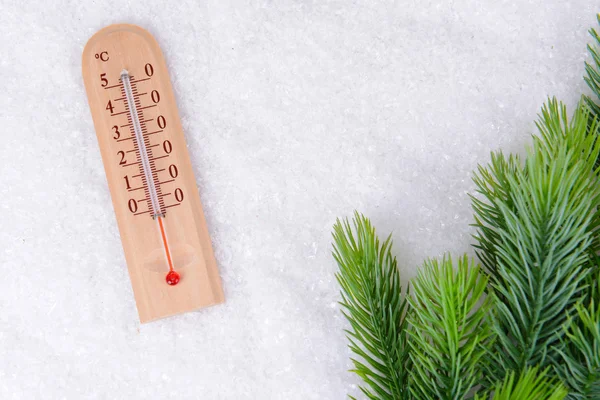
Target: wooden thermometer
x,y
154,194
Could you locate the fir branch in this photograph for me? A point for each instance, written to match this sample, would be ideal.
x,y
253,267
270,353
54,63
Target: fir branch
x,y
372,302
592,77
449,329
579,366
579,137
531,385
493,185
492,181
538,222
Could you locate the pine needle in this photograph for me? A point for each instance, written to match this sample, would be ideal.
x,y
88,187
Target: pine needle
x,y
530,385
579,366
537,227
449,329
592,70
372,302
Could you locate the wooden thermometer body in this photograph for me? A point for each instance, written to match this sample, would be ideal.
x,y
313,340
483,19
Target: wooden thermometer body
x,y
149,173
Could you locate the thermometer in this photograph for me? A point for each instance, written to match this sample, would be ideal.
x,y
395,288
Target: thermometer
x,y
154,194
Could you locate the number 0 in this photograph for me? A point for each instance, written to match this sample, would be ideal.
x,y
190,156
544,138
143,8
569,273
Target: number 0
x,y
132,204
167,147
173,171
162,123
149,70
178,195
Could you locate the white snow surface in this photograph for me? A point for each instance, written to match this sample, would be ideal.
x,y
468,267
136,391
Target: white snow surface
x,y
295,113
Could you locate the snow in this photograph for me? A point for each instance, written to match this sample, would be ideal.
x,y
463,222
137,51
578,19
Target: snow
x,y
295,113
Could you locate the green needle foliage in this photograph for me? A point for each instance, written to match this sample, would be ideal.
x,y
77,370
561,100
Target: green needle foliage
x,y
372,302
494,186
579,366
536,235
538,239
531,385
593,72
449,330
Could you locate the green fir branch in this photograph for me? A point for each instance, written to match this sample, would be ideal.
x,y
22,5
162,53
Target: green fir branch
x,y
449,329
492,183
579,137
537,226
579,366
592,70
531,385
372,302
537,222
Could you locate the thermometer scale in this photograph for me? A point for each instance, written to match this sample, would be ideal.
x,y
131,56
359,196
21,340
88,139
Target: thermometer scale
x,y
167,247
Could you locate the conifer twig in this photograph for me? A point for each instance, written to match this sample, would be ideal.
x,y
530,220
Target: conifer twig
x,y
531,384
372,302
450,332
537,225
579,365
